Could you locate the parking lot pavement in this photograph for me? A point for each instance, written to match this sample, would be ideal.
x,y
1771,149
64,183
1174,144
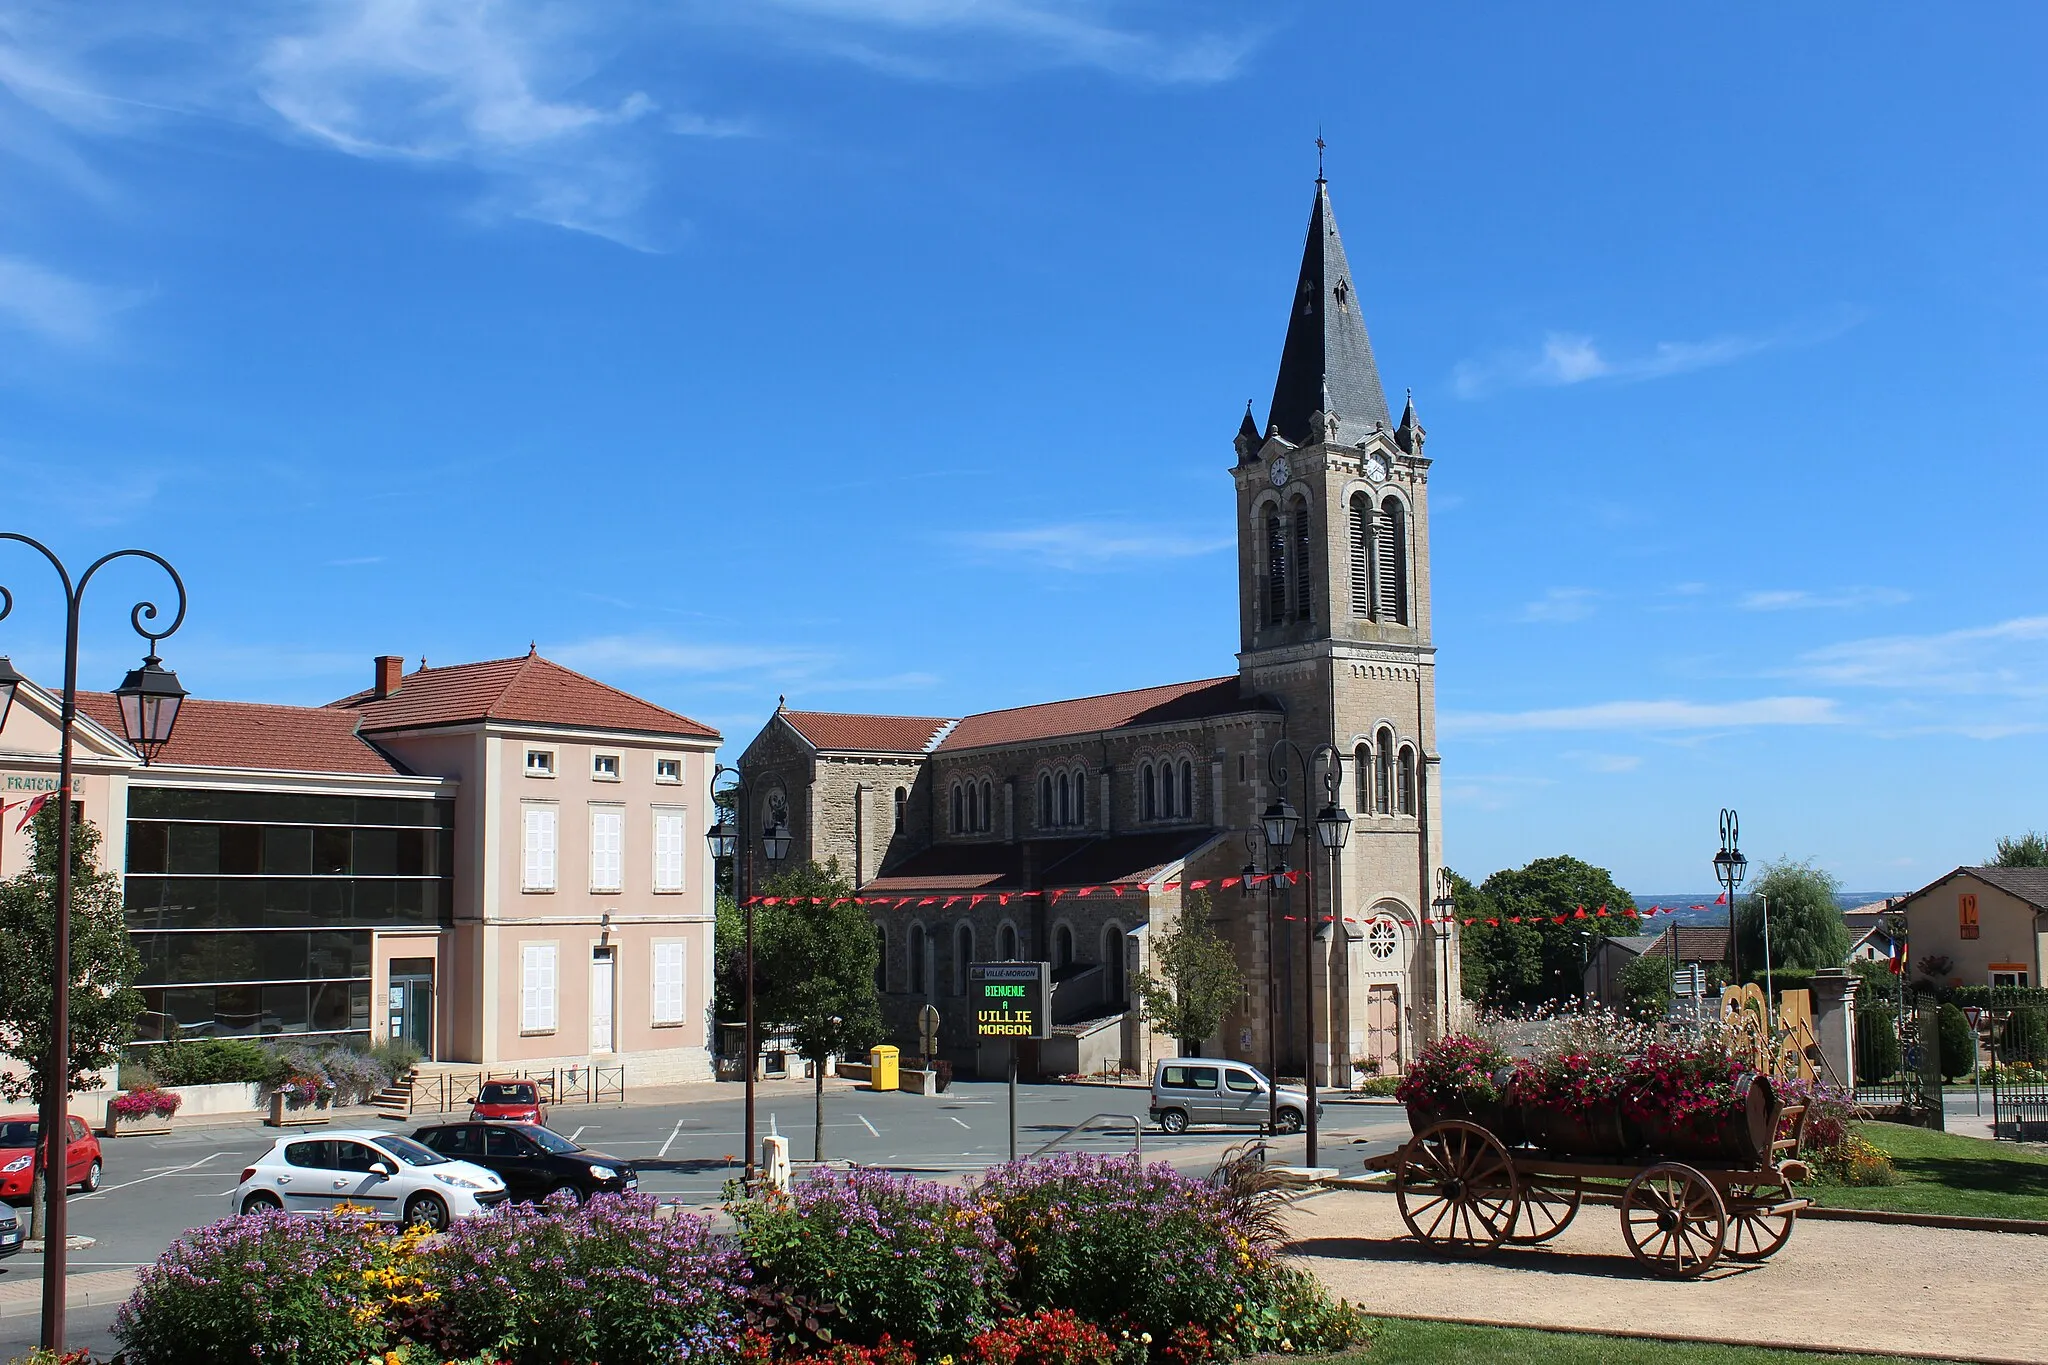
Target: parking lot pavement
x,y
158,1187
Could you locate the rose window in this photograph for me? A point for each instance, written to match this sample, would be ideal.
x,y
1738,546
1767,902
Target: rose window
x,y
1382,939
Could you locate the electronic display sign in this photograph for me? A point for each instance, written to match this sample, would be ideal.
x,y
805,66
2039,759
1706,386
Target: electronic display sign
x,y
1011,999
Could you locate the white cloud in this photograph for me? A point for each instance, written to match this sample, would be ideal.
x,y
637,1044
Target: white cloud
x,y
1088,545
53,305
2009,658
1567,358
1649,716
1560,605
1843,599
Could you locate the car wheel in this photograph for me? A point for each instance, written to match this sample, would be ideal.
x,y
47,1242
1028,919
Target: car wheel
x,y
1173,1121
564,1195
262,1201
1290,1120
92,1177
428,1209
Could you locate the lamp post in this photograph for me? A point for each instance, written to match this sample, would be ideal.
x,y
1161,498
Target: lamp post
x,y
149,698
728,840
1272,873
1730,867
1445,904
1332,828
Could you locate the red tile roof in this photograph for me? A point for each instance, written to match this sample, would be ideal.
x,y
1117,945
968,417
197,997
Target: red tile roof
x,y
253,735
868,734
1112,711
1696,943
529,688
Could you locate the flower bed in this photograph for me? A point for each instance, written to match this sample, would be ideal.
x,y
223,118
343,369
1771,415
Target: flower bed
x,y
1081,1261
144,1102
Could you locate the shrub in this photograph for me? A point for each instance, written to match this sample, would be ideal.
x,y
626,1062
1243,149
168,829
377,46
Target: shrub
x,y
1856,1162
1877,1044
2025,1036
1294,1314
1454,1073
920,1262
609,1281
1958,1043
1380,1085
1116,1240
207,1061
1056,1336
262,1287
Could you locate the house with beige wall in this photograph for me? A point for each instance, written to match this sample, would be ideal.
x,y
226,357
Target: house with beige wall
x,y
1991,923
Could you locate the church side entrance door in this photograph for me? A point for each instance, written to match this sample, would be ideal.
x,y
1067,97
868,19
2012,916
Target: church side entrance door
x,y
1383,1026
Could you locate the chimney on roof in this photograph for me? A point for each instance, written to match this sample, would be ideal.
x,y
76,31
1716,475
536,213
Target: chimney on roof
x,y
390,672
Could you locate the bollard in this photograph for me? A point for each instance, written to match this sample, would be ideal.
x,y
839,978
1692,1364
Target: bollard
x,y
775,1162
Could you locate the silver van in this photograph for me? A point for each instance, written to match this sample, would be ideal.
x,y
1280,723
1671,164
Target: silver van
x,y
1189,1090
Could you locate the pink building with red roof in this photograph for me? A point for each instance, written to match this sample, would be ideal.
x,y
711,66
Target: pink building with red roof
x,y
1067,831
503,862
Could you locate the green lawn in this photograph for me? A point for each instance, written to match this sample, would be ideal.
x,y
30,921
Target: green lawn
x,y
1948,1173
1400,1341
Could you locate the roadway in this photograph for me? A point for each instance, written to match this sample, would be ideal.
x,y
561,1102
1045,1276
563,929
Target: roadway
x,y
159,1187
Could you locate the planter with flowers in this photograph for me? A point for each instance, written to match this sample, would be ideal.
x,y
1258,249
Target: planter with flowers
x,y
1461,1077
299,1102
143,1110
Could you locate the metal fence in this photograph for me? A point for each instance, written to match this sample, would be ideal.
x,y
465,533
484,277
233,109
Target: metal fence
x,y
448,1092
2013,1022
1898,1056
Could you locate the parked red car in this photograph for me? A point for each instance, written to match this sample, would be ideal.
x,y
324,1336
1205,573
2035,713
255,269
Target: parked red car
x,y
509,1102
20,1151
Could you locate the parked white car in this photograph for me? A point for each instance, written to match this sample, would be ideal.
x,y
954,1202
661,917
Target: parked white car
x,y
393,1177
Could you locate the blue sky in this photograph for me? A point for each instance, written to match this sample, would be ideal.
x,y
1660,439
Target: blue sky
x,y
886,353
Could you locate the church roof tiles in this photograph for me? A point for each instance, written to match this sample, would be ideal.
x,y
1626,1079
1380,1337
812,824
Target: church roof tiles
x,y
1089,715
842,730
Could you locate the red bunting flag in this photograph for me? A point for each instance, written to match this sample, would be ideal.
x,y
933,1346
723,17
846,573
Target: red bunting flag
x,y
1557,919
1229,882
1493,924
1199,885
1469,923
976,900
1002,899
1119,892
1721,899
1057,894
1580,913
1086,891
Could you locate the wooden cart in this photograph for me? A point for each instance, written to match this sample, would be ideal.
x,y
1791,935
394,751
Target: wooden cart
x,y
1463,1191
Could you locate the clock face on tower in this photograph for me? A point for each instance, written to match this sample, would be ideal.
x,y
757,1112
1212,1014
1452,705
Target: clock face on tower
x,y
1280,471
1376,468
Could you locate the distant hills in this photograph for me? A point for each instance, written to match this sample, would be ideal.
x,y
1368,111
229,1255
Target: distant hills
x,y
1718,914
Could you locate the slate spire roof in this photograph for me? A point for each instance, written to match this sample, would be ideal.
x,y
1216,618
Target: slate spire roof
x,y
1327,351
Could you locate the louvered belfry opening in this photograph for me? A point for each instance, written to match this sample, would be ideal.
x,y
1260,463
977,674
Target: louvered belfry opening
x,y
1392,538
1276,568
1304,561
1361,558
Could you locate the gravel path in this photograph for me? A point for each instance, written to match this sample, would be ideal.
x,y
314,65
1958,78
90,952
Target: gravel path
x,y
1979,1296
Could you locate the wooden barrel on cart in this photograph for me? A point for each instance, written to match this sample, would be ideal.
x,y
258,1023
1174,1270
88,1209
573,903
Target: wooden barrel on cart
x,y
1739,1137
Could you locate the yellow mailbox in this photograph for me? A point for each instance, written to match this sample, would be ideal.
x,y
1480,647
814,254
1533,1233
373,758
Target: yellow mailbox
x,y
882,1062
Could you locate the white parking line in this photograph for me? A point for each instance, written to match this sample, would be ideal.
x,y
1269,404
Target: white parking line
x,y
671,1140
871,1127
578,1133
963,1125
109,1189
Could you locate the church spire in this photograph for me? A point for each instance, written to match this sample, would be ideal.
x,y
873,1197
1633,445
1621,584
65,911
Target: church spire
x,y
1326,362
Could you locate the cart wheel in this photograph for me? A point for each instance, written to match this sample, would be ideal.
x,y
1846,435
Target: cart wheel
x,y
1754,1232
1457,1188
1674,1220
1549,1203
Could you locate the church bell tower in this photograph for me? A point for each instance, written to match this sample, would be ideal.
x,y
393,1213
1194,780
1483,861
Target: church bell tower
x,y
1334,624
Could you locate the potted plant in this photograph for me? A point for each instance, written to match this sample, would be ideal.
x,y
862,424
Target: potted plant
x,y
145,1109
1571,1102
1700,1104
296,1100
1459,1077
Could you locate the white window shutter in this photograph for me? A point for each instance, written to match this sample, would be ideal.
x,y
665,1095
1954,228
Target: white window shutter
x,y
607,848
538,871
668,850
669,960
537,987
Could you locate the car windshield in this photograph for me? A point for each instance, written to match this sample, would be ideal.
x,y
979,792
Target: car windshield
x,y
410,1152
18,1133
550,1140
500,1093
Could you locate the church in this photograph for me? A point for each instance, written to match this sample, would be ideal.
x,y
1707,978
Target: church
x,y
1073,831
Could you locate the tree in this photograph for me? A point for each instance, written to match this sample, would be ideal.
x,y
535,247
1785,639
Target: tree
x,y
1877,1043
1198,978
1806,921
814,959
1546,918
1958,1042
2024,850
1646,988
104,1003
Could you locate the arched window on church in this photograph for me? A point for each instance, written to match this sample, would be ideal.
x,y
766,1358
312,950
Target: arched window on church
x,y
1276,568
917,955
1405,781
1148,793
1393,562
1113,963
973,807
988,806
881,958
902,805
1045,800
1080,796
1187,789
1062,947
1009,942
1066,801
963,953
1361,557
959,810
1385,771
1304,561
1361,777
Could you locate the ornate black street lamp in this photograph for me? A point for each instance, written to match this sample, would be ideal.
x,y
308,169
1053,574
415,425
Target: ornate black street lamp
x,y
1730,867
149,698
1332,828
1254,842
728,840
1446,905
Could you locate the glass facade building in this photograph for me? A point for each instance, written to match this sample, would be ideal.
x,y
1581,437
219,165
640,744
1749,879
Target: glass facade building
x,y
254,911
